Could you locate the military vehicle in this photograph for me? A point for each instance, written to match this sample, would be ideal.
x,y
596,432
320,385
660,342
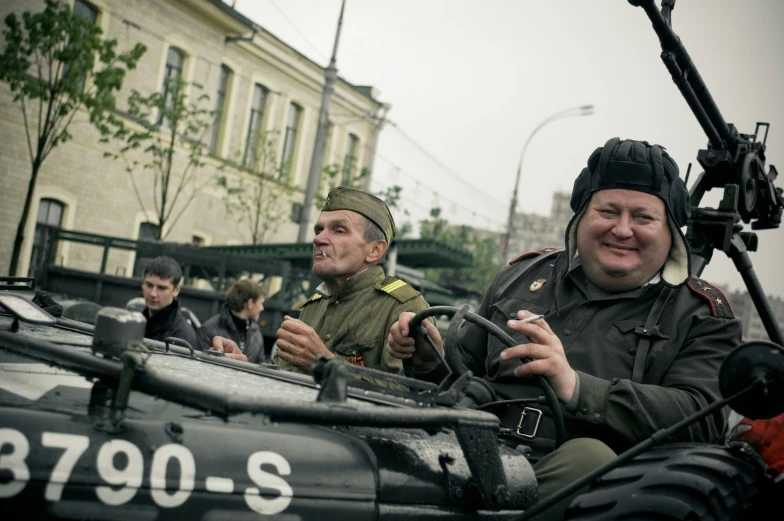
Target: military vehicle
x,y
98,423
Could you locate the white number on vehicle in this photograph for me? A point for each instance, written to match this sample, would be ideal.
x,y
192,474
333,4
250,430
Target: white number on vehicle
x,y
74,446
14,462
120,464
160,462
129,477
266,480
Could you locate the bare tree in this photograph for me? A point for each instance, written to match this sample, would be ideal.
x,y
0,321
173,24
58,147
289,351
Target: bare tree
x,y
169,132
255,196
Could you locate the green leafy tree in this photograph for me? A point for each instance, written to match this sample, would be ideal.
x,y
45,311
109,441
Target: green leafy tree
x,y
58,65
254,196
485,250
335,175
392,196
168,133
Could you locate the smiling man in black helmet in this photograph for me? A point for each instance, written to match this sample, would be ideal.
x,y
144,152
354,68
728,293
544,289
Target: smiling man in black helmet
x,y
629,342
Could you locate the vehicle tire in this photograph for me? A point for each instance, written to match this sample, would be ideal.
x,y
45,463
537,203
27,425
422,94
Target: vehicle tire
x,y
684,482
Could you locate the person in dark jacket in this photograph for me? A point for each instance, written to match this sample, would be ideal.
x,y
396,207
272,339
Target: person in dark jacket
x,y
629,340
160,287
238,320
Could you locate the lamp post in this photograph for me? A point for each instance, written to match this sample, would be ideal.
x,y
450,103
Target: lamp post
x,y
584,110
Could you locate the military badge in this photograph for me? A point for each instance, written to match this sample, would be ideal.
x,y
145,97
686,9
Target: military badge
x,y
537,284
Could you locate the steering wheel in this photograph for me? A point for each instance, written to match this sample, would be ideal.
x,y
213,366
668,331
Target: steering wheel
x,y
455,364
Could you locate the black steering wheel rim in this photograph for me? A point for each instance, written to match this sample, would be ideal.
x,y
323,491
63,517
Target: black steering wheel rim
x,y
456,363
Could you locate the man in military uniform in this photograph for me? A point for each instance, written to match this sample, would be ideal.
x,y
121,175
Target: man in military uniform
x,y
349,315
629,341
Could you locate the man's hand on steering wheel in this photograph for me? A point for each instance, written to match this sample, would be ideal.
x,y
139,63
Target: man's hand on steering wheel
x,y
401,345
546,355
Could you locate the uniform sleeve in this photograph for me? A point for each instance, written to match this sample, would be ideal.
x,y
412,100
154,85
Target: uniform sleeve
x,y
277,360
388,362
633,411
471,338
203,339
186,332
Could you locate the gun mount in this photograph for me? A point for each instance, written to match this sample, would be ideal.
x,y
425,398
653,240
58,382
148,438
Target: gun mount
x,y
732,161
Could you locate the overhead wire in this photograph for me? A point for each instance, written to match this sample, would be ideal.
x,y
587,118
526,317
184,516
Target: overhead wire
x,y
335,154
475,189
441,164
367,116
315,49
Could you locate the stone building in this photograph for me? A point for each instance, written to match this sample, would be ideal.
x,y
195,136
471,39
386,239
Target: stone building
x,y
746,312
534,232
259,84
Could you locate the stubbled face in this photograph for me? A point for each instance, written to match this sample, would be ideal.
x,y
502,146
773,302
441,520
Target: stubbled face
x,y
158,293
254,307
623,238
339,247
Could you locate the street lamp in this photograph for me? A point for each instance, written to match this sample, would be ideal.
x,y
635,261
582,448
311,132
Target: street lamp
x,y
583,110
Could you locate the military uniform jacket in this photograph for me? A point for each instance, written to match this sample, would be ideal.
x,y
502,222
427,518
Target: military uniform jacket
x,y
354,323
696,331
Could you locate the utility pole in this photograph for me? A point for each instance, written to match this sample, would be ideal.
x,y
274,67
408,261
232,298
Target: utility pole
x,y
371,161
330,75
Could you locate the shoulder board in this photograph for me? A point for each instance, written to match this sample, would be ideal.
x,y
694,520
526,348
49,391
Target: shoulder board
x,y
313,298
531,254
398,288
720,306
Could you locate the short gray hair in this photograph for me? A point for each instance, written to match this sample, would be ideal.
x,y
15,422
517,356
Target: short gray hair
x,y
373,232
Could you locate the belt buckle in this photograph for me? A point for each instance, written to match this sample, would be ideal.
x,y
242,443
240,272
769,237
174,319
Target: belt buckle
x,y
522,419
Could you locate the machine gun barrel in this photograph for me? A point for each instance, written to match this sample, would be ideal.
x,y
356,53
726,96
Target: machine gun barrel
x,y
688,80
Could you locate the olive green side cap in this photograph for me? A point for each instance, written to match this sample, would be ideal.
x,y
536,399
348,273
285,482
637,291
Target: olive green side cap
x,y
343,198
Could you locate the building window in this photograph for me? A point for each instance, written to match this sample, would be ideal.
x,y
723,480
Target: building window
x,y
86,10
290,140
175,61
350,161
252,140
50,213
148,231
90,13
220,108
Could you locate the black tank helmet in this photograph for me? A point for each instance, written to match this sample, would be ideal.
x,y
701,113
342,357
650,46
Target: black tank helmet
x,y
637,165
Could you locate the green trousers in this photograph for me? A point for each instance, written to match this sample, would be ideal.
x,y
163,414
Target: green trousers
x,y
569,462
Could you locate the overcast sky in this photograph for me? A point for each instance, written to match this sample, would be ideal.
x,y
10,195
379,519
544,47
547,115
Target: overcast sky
x,y
469,80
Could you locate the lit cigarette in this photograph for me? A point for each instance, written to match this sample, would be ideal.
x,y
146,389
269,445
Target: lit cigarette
x,y
532,319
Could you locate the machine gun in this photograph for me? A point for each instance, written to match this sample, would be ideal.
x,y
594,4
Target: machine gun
x,y
732,161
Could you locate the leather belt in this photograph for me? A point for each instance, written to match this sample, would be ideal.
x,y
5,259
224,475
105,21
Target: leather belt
x,y
530,422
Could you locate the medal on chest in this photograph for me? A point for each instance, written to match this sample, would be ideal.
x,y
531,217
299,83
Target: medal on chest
x,y
537,284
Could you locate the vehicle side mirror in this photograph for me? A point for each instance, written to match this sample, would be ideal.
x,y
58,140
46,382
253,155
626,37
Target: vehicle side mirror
x,y
757,364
